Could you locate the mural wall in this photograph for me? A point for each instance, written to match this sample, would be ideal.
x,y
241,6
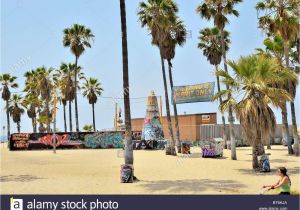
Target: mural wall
x,y
103,139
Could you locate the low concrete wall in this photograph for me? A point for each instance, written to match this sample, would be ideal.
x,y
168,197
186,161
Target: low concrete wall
x,y
216,131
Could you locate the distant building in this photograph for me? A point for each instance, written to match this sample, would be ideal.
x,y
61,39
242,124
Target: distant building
x,y
189,125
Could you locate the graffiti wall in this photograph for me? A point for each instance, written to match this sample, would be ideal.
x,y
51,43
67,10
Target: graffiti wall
x,y
212,147
104,139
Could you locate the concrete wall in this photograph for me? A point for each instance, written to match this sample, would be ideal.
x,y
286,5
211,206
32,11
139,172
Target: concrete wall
x,y
189,125
215,131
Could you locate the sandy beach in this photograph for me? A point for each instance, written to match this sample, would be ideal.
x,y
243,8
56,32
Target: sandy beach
x,y
97,172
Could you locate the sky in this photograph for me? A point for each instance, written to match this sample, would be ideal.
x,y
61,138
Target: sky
x,y
32,33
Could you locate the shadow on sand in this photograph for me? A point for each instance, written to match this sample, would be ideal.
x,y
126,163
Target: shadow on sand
x,y
197,155
291,171
19,178
275,161
192,185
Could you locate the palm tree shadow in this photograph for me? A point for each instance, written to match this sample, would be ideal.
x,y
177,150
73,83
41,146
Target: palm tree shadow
x,y
291,171
294,171
19,178
256,173
275,161
192,185
198,155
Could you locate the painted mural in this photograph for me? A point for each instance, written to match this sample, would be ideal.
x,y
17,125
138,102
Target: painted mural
x,y
103,139
212,147
152,130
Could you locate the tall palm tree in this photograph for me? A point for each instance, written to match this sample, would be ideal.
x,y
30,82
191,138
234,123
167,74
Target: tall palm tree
x,y
282,17
158,16
66,86
63,101
15,109
126,91
218,10
176,37
251,93
78,38
92,89
45,87
32,103
7,81
211,44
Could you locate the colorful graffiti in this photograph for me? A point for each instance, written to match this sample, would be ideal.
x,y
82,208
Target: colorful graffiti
x,y
152,129
212,148
21,144
104,139
21,136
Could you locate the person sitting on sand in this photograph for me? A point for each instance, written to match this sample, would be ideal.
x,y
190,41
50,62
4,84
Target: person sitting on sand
x,y
284,183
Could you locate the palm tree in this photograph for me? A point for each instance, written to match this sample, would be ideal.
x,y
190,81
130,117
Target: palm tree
x,y
42,120
282,17
158,16
92,89
211,44
88,128
31,103
66,86
128,156
45,87
252,91
78,38
218,10
177,36
63,101
15,109
7,81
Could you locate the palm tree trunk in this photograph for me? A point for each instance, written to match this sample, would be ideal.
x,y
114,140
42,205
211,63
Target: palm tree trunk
x,y
48,116
178,144
295,131
285,128
223,118
172,145
76,107
65,118
18,127
290,88
35,125
128,135
257,150
94,124
32,122
230,114
8,125
70,115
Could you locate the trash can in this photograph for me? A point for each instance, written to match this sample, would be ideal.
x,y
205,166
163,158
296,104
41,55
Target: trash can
x,y
126,173
186,147
264,163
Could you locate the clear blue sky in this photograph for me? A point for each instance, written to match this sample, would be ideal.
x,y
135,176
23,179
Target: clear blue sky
x,y
31,36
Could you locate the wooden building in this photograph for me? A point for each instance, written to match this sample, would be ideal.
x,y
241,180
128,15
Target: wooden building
x,y
189,124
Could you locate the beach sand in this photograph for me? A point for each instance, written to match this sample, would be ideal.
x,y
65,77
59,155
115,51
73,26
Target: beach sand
x,y
97,172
